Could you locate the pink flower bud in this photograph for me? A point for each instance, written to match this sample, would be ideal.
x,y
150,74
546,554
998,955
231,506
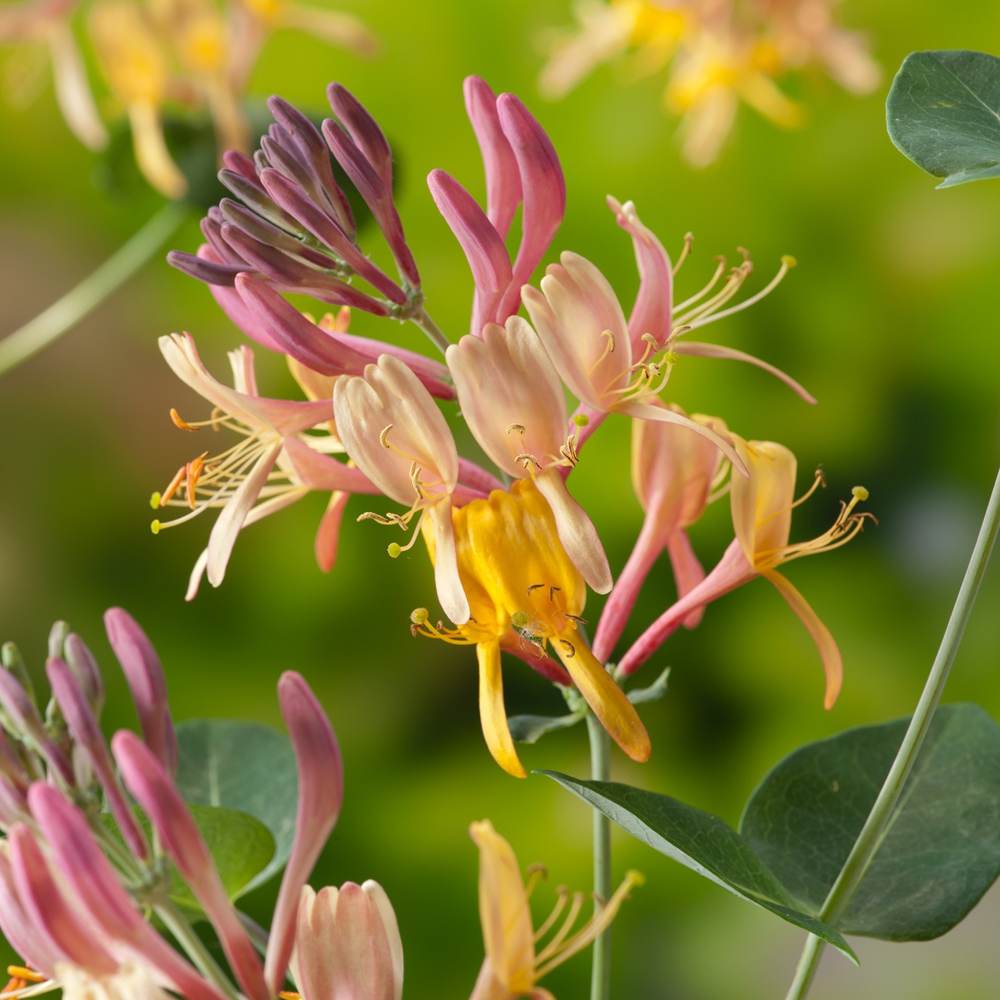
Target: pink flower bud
x,y
144,676
321,791
24,716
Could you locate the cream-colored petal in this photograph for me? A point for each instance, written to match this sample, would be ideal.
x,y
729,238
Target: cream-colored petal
x,y
576,532
151,153
833,664
761,503
450,591
510,394
379,901
76,100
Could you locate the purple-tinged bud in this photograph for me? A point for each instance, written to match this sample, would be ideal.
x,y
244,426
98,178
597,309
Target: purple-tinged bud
x,y
376,196
19,930
260,229
84,866
363,130
503,179
11,765
154,790
321,792
271,262
239,163
292,199
81,661
295,334
144,676
211,228
57,639
24,717
66,931
253,195
306,136
209,271
11,658
543,188
13,804
485,251
86,732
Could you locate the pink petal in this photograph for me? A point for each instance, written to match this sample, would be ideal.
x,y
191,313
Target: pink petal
x,y
717,351
450,592
328,534
688,571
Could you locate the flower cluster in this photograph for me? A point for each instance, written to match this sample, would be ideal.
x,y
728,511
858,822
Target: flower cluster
x,y
513,550
78,887
719,53
195,54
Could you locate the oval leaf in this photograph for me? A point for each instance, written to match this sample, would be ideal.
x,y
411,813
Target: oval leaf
x,y
701,842
244,766
941,851
943,112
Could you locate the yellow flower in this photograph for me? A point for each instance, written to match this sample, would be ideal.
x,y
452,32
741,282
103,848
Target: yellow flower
x,y
513,966
524,589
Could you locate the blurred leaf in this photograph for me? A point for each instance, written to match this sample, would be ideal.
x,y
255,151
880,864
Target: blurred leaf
x,y
240,845
701,842
531,728
941,851
244,766
654,692
943,112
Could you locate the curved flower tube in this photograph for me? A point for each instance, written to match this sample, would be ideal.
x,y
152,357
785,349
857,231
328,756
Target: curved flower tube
x,y
762,517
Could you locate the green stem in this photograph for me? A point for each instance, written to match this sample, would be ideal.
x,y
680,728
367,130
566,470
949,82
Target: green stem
x,y
437,336
181,928
870,837
600,770
62,315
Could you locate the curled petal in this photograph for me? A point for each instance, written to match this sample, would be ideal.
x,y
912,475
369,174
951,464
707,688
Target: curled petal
x,y
605,698
492,713
718,351
833,665
328,534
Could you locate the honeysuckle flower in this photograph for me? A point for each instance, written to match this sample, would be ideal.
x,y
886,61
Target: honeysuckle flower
x,y
762,507
675,475
513,401
46,24
274,463
522,587
347,944
522,168
583,329
515,958
400,440
720,52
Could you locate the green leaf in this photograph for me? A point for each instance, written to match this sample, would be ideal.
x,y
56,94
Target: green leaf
x,y
244,766
941,850
943,112
701,842
654,692
531,728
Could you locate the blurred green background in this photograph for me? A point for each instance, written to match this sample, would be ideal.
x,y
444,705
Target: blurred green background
x,y
889,320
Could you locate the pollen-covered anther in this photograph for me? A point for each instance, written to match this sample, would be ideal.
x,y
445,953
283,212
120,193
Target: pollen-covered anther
x,y
528,461
575,618
516,428
569,647
383,438
180,422
415,471
534,586
552,591
23,972
388,518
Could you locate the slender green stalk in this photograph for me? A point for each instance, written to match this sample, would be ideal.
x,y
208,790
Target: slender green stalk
x,y
600,770
868,840
181,928
64,314
437,336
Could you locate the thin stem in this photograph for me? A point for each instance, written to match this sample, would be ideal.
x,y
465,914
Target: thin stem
x,y
600,770
64,314
181,928
869,839
437,336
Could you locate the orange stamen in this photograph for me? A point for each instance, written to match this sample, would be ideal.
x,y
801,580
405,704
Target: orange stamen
x,y
179,421
22,972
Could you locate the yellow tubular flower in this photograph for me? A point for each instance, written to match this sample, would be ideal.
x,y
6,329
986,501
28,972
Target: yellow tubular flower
x,y
522,586
135,66
513,967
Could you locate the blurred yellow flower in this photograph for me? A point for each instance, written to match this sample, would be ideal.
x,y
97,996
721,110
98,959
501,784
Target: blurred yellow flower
x,y
719,52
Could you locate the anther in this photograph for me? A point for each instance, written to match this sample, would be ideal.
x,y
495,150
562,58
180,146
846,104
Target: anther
x,y
382,439
552,590
520,428
179,421
569,646
21,972
534,586
528,460
575,618
611,341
